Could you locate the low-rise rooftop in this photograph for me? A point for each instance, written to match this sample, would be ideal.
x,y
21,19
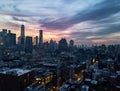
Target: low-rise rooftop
x,y
15,71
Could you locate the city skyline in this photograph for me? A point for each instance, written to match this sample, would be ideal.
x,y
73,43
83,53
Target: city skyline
x,y
86,22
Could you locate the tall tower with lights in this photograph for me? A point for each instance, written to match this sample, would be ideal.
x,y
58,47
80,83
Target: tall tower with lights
x,y
22,36
41,38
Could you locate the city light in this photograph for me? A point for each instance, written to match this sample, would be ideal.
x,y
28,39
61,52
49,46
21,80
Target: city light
x,y
60,45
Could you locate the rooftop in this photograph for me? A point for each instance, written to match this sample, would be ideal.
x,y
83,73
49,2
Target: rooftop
x,y
15,71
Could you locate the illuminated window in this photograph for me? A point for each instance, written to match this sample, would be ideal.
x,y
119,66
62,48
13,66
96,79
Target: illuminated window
x,y
37,79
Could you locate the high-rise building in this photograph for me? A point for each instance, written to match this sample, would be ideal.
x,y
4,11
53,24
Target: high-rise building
x,y
63,45
28,44
11,39
71,45
52,46
22,36
1,42
7,39
4,31
22,30
41,38
46,45
4,36
36,41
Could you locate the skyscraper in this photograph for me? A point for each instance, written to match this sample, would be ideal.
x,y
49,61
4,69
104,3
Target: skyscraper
x,y
63,45
28,44
22,30
22,37
71,43
36,41
52,46
11,39
41,38
4,36
4,31
7,39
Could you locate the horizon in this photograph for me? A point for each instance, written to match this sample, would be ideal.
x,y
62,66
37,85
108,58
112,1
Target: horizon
x,y
85,22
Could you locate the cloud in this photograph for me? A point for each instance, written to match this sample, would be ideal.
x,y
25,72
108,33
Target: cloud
x,y
85,21
109,29
11,24
62,23
19,19
100,11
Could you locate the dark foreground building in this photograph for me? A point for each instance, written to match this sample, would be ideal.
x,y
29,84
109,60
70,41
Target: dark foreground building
x,y
15,79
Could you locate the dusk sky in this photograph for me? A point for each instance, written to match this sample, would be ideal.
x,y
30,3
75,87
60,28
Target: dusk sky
x,y
84,21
